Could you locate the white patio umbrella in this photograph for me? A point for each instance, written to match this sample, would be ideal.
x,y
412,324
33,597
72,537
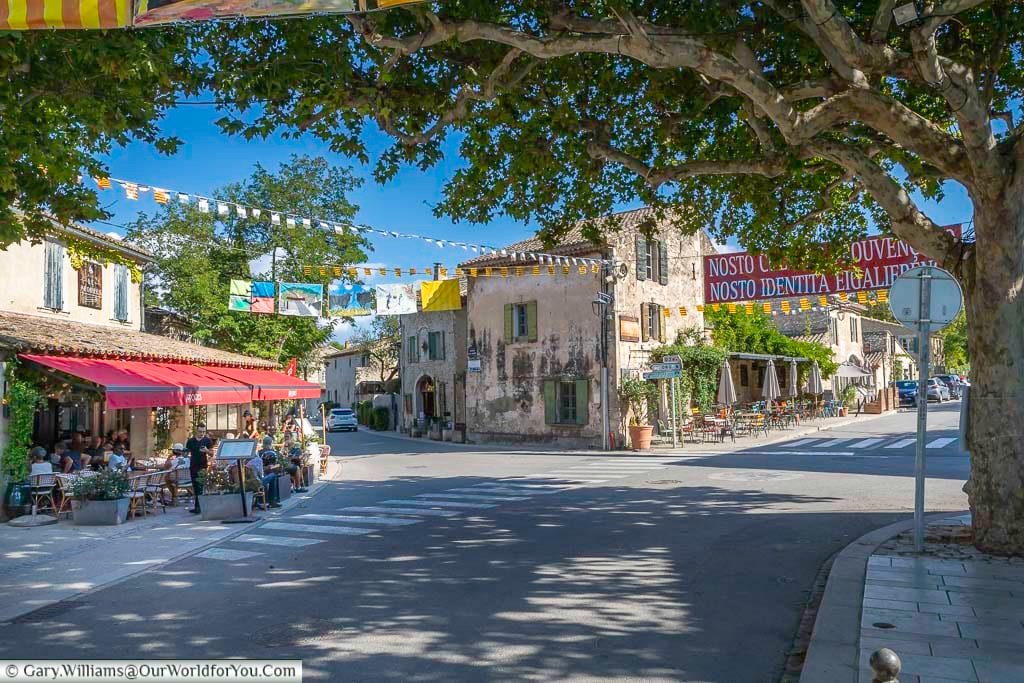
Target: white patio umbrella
x,y
814,382
726,388
771,390
793,390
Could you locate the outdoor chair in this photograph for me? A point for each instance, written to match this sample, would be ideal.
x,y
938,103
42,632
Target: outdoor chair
x,y
325,454
691,426
182,482
64,482
42,487
155,485
137,495
709,430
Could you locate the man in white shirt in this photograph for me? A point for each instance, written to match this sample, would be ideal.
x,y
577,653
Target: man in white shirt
x,y
39,463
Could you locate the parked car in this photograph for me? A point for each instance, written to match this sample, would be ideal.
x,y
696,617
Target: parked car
x,y
937,390
907,389
954,384
342,419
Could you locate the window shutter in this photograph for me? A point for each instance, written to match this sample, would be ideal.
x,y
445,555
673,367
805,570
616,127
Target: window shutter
x,y
53,292
441,349
662,263
661,322
550,404
120,293
582,401
432,346
531,320
509,332
645,323
641,258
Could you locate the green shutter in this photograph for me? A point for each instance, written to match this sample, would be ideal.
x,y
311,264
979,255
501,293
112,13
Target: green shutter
x,y
531,321
582,401
645,329
641,258
442,346
508,324
550,404
662,263
432,346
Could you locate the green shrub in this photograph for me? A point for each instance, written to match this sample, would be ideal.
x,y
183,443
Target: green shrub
x,y
381,419
105,485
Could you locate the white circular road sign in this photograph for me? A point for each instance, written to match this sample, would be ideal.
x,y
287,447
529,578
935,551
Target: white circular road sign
x,y
944,297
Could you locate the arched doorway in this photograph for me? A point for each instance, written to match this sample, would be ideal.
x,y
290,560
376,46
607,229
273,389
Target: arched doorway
x,y
425,395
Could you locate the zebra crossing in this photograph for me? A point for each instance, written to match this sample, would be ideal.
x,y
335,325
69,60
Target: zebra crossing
x,y
860,443
309,529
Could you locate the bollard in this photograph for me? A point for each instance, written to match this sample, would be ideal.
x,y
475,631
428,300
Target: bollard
x,y
886,666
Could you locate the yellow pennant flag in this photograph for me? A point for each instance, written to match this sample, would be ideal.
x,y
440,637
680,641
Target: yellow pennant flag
x,y
487,271
823,301
844,297
667,312
161,196
444,273
352,272
716,307
473,272
731,308
862,297
767,308
367,272
504,271
323,271
458,272
883,296
805,305
535,270
337,271
440,295
519,271
595,269
103,183
583,271
307,270
682,311
551,270
412,271
565,270
749,308
700,308
784,306
398,272
382,271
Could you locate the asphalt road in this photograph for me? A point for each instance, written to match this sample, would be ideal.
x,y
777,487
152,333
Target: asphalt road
x,y
431,562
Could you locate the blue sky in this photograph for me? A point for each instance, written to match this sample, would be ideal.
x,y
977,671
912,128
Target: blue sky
x,y
209,159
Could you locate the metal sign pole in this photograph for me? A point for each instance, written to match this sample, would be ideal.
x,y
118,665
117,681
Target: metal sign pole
x,y
924,339
675,442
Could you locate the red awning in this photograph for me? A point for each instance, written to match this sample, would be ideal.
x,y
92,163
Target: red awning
x,y
142,384
269,385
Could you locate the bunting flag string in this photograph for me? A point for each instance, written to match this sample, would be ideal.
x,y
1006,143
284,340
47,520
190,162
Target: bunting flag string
x,y
224,209
784,307
355,271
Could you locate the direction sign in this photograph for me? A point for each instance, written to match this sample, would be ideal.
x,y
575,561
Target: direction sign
x,y
657,367
672,359
663,374
944,299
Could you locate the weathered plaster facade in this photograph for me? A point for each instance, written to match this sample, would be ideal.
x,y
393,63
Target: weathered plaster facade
x,y
434,387
505,399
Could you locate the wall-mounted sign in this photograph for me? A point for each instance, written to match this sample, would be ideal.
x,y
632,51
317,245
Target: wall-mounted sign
x,y
743,276
473,365
90,285
629,328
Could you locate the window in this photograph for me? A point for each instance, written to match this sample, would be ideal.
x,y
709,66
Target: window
x,y
120,292
650,259
780,372
412,351
566,401
223,418
90,285
744,376
521,322
835,331
435,346
53,278
760,377
651,322
853,329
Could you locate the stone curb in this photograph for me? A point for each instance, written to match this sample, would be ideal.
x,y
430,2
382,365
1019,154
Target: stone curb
x,y
9,616
833,653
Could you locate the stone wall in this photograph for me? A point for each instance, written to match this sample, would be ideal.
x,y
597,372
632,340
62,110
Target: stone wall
x,y
448,372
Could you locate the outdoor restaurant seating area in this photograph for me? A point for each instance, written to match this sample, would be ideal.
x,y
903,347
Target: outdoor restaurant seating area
x,y
757,419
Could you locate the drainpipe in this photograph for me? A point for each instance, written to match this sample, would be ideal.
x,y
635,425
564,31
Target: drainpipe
x,y
606,289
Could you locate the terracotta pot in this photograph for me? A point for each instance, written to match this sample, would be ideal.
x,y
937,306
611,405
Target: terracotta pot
x,y
640,437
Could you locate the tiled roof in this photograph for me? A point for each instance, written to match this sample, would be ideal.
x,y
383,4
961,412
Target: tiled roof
x,y
573,242
875,325
21,332
83,231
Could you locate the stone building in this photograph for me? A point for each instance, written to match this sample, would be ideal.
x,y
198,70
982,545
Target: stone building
x,y
353,374
535,340
434,362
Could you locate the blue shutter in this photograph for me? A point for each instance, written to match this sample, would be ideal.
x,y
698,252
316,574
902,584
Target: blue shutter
x,y
53,286
120,293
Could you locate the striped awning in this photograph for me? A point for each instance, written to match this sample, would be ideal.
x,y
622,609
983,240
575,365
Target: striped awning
x,y
22,15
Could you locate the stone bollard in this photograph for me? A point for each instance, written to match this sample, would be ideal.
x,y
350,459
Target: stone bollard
x,y
886,666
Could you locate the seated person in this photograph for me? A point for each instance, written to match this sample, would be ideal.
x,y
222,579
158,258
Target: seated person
x,y
176,458
115,458
268,453
294,452
70,460
95,451
269,481
40,465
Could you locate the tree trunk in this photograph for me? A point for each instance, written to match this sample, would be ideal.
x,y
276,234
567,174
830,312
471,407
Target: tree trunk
x,y
994,297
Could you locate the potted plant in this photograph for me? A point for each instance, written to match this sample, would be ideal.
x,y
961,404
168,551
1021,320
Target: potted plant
x,y
638,394
220,498
284,480
100,500
847,399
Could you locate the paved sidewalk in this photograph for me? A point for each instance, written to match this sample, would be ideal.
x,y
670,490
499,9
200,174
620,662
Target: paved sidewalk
x,y
952,613
43,565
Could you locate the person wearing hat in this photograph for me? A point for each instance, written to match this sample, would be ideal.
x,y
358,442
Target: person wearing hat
x,y
265,458
177,458
251,430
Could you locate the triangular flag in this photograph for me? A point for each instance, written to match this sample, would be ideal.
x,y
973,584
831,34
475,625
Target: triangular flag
x,y
104,183
161,196
240,211
204,205
222,209
182,198
275,219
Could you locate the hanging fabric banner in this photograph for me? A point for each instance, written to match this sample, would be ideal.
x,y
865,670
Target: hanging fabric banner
x,y
347,299
155,12
21,15
440,295
396,299
301,299
240,295
263,297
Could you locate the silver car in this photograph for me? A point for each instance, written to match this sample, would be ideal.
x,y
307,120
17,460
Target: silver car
x,y
937,390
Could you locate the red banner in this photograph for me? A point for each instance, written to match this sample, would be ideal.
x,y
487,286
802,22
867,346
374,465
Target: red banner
x,y
742,276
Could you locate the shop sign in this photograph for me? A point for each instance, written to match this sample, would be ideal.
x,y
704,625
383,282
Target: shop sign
x,y
629,328
742,276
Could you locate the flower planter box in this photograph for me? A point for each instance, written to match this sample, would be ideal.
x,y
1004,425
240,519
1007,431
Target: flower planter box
x,y
99,512
435,436
446,434
223,506
284,487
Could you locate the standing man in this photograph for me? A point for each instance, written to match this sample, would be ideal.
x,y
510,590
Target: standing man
x,y
198,447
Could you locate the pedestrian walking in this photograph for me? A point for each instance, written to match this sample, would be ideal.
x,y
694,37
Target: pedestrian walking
x,y
198,447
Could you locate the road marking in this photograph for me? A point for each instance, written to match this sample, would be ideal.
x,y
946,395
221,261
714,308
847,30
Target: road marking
x,y
866,443
902,443
462,496
438,504
801,442
832,442
226,554
497,489
540,486
939,443
317,529
277,540
387,521
401,511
